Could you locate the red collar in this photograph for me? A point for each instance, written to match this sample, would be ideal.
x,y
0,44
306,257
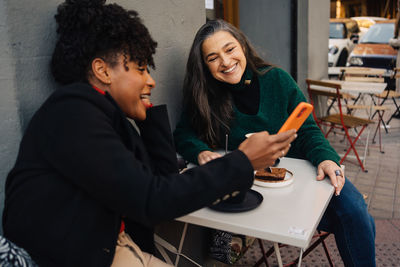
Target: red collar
x,y
98,90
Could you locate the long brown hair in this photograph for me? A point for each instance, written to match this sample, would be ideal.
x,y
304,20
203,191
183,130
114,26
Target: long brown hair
x,y
208,104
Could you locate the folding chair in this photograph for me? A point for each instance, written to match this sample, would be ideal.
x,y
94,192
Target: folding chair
x,y
389,94
337,121
371,75
346,97
359,74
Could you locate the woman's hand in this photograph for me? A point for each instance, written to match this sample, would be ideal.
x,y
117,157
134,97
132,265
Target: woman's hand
x,y
335,173
206,156
263,149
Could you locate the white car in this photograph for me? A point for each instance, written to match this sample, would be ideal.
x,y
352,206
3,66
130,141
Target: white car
x,y
343,35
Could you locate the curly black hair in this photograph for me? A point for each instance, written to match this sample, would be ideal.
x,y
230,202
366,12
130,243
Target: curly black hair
x,y
88,29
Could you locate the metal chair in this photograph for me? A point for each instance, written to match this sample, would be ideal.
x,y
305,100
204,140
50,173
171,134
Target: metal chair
x,y
370,75
340,121
393,95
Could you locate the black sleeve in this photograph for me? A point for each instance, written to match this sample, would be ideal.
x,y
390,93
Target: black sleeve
x,y
80,143
156,134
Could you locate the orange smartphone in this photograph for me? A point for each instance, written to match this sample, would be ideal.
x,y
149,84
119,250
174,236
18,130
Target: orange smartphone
x,y
297,118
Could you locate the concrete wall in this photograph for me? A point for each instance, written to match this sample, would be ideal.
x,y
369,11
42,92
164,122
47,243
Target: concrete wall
x,y
25,42
267,25
27,37
318,43
9,118
318,38
302,44
173,24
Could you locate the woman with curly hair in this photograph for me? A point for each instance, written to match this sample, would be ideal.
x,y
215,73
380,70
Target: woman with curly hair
x,y
87,188
230,90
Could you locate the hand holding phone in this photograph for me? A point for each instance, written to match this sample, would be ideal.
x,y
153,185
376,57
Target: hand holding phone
x,y
297,118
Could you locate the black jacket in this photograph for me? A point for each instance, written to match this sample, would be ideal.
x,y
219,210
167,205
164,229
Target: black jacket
x,y
82,167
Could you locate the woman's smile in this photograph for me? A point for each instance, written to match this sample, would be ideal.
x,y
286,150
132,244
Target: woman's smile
x,y
230,69
131,88
145,98
224,57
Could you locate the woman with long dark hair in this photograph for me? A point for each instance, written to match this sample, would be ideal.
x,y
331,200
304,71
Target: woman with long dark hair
x,y
230,91
87,188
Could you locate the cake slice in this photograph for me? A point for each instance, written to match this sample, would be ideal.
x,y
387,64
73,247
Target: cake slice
x,y
270,174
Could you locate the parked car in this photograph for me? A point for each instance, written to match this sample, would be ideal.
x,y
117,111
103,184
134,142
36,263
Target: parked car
x,y
343,35
365,22
374,51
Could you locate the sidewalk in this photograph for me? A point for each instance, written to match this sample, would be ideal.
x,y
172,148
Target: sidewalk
x,y
380,185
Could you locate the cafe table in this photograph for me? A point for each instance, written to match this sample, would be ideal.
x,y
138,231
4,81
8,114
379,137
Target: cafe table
x,y
340,71
359,87
287,215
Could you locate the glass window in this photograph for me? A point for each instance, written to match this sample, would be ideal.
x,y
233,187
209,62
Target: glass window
x,y
379,33
337,31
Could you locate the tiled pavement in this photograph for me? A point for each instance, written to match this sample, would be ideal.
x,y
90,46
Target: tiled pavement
x,y
381,184
381,187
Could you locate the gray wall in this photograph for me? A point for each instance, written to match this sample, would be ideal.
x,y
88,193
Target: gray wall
x,y
267,25
173,24
25,32
9,122
302,44
318,38
318,43
27,36
312,40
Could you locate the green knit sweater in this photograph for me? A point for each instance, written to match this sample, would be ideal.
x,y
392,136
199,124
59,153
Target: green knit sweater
x,y
279,95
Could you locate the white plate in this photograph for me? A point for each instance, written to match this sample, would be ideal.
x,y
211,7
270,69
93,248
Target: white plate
x,y
287,181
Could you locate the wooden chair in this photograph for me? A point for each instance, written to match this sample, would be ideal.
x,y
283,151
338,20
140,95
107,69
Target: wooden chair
x,y
340,121
372,75
357,74
390,94
393,95
360,74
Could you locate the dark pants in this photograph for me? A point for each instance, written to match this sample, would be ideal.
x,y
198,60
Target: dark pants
x,y
348,219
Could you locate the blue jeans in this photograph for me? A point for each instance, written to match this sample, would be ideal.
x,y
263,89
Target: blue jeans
x,y
348,219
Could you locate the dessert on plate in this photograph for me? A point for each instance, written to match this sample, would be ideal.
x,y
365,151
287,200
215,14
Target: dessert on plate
x,y
270,174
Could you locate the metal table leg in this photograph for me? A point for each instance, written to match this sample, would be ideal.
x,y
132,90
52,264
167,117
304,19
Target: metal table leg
x,y
161,245
181,243
300,258
278,254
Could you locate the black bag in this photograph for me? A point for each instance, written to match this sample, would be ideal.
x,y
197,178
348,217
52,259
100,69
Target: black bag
x,y
228,247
